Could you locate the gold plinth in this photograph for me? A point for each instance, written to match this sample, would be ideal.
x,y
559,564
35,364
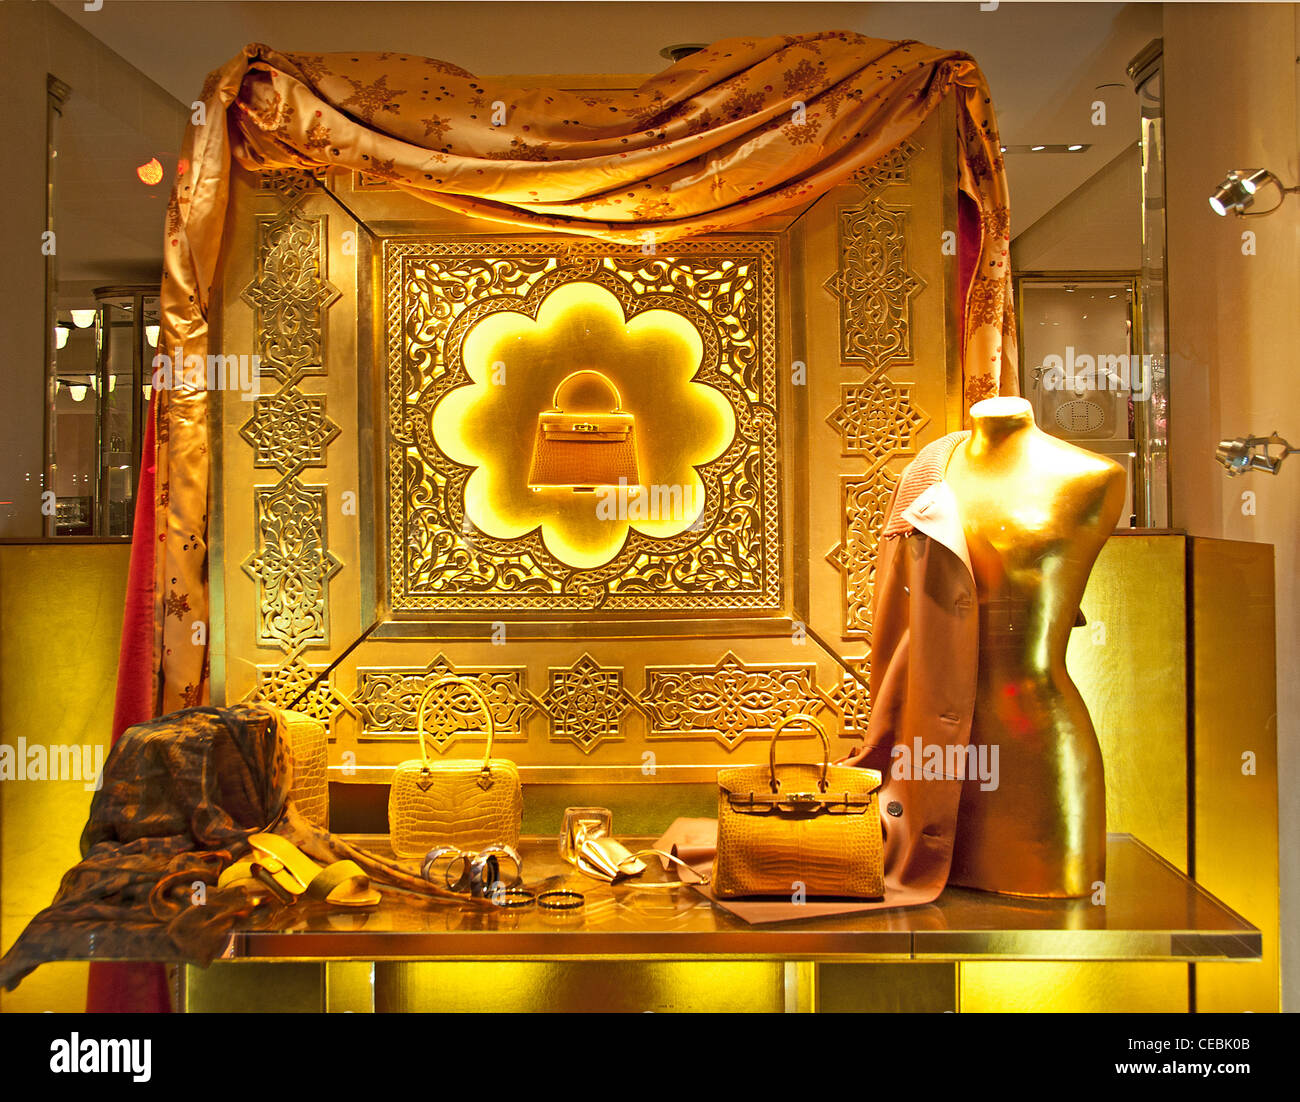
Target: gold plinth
x,y
637,949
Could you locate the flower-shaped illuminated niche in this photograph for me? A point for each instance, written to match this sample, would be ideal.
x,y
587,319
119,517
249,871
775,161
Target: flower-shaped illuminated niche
x,y
515,362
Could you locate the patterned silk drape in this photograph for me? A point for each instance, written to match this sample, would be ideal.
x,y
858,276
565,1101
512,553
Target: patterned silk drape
x,y
745,128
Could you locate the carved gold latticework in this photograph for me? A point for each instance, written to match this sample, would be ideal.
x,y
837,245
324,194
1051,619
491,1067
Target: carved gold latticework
x,y
291,564
877,420
387,700
586,703
290,183
729,560
852,699
286,686
289,430
729,701
875,283
289,294
864,501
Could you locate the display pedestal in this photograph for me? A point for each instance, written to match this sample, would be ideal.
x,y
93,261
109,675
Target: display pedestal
x,y
636,949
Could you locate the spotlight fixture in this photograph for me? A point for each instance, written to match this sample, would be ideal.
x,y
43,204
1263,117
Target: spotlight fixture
x,y
82,319
1240,455
1238,190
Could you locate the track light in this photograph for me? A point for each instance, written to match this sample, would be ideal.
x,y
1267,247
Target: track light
x,y
1240,455
1238,190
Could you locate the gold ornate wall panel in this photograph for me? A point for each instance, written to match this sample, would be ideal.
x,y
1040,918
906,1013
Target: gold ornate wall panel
x,y
387,700
783,376
289,292
875,282
729,701
439,296
292,565
587,703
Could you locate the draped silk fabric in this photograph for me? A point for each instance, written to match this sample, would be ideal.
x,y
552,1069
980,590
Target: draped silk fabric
x,y
745,128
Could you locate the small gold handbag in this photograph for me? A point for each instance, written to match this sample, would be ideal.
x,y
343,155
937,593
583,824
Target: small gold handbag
x,y
468,804
584,450
816,828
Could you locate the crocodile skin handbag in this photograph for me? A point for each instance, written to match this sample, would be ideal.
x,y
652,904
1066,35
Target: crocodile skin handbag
x,y
584,450
814,830
469,804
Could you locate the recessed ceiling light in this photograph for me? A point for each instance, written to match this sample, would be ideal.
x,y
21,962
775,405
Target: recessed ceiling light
x,y
1046,147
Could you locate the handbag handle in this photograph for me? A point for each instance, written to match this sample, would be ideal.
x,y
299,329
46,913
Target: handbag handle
x,y
480,698
618,398
826,748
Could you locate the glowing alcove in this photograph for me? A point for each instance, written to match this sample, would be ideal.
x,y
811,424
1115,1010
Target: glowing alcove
x,y
516,363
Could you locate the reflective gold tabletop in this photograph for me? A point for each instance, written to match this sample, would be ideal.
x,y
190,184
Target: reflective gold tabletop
x,y
1151,912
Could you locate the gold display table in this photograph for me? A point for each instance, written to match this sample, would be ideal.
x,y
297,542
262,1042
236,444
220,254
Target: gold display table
x,y
670,949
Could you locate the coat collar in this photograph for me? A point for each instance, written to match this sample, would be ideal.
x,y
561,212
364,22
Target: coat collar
x,y
936,513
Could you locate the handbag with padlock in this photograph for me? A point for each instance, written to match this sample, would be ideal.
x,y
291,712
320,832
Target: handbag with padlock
x,y
584,450
469,804
810,827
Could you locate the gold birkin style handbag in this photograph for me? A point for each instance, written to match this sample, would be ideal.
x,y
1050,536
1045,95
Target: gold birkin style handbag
x,y
464,803
815,825
581,451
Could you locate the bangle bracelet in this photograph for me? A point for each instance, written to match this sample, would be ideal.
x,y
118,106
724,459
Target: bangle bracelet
x,y
513,897
562,900
430,858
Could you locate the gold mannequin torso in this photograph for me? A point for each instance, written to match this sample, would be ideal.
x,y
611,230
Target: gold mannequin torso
x,y
1035,511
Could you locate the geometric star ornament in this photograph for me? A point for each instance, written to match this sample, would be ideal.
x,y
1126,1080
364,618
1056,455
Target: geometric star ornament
x,y
283,685
852,699
877,420
289,430
586,703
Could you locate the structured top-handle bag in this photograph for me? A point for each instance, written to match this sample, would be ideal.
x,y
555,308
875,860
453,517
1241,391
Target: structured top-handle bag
x,y
584,450
814,828
464,803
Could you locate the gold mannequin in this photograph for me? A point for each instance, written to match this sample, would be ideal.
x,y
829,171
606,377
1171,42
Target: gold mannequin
x,y
1036,512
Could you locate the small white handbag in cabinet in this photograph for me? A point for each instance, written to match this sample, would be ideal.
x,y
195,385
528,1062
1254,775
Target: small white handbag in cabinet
x,y
464,803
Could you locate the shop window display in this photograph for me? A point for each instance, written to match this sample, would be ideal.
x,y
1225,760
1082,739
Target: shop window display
x,y
651,453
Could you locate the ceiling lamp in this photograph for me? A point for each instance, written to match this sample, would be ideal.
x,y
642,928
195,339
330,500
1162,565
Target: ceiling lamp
x,y
1237,192
61,334
151,172
77,390
151,335
83,319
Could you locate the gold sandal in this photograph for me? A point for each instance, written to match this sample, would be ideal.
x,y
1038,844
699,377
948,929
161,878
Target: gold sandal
x,y
290,873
